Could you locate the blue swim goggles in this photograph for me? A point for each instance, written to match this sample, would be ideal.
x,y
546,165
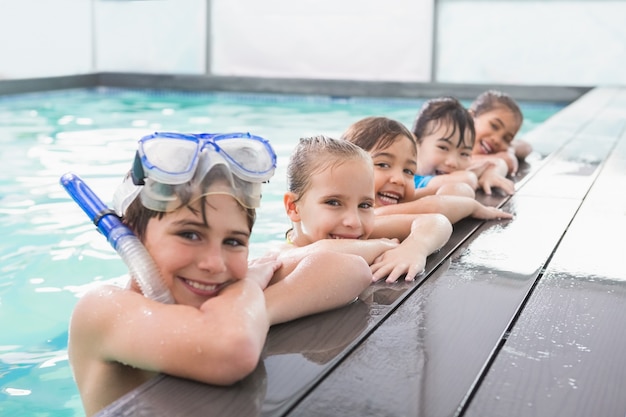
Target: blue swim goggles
x,y
172,158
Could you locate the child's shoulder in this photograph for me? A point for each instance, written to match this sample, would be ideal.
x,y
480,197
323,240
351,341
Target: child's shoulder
x,y
98,302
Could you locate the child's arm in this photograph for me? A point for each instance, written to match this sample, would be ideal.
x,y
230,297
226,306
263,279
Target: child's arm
x,y
422,192
368,249
479,165
454,208
426,234
321,281
521,148
456,183
461,176
218,343
508,156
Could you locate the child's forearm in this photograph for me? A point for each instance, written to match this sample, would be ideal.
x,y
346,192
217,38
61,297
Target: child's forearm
x,y
241,305
426,205
479,165
454,208
368,249
320,282
463,176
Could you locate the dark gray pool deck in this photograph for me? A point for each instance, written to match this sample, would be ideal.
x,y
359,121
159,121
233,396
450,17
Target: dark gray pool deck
x,y
525,317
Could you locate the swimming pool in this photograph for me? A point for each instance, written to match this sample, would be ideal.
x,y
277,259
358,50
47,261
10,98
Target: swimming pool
x,y
50,253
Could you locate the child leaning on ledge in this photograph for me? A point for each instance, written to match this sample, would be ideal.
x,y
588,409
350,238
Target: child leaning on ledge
x,y
498,119
330,202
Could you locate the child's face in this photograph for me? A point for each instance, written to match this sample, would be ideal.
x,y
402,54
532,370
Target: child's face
x,y
196,259
339,204
439,152
394,168
495,130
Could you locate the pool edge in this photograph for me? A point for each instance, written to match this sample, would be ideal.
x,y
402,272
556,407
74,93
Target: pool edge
x,y
340,88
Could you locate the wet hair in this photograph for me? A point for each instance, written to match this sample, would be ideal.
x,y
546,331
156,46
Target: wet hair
x,y
493,99
374,133
136,216
315,154
445,111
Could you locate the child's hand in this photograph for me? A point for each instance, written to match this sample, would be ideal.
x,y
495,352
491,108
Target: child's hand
x,y
491,179
396,262
489,213
261,270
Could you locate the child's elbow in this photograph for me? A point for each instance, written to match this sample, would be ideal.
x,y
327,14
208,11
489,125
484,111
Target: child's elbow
x,y
362,271
522,149
445,226
244,362
443,223
351,265
471,179
355,272
467,177
509,163
438,226
237,361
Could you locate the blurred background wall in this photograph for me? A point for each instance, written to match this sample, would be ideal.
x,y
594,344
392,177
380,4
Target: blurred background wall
x,y
517,42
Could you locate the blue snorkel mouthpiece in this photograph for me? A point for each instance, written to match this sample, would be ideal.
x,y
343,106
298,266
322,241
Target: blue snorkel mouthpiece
x,y
122,239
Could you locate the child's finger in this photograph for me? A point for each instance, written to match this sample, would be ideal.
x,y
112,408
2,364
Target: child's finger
x,y
414,271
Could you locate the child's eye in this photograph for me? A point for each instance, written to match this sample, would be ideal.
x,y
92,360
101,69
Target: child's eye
x,y
382,165
235,242
466,154
333,202
494,126
443,147
409,172
189,235
366,205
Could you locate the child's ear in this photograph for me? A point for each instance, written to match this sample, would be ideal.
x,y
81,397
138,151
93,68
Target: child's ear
x,y
291,208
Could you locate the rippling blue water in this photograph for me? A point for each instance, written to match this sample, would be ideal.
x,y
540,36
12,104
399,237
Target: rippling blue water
x,y
50,253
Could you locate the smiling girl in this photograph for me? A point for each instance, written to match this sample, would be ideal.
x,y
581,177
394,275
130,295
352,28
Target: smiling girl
x,y
498,119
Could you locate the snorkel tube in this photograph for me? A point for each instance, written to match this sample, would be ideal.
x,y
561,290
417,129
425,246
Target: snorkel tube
x,y
126,244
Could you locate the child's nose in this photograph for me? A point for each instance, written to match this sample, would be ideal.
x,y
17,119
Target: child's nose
x,y
352,219
212,260
397,177
452,161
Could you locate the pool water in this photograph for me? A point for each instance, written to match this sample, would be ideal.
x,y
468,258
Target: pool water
x,y
50,253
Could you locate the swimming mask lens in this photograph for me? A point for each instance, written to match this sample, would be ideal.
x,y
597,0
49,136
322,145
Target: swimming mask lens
x,y
170,169
172,158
